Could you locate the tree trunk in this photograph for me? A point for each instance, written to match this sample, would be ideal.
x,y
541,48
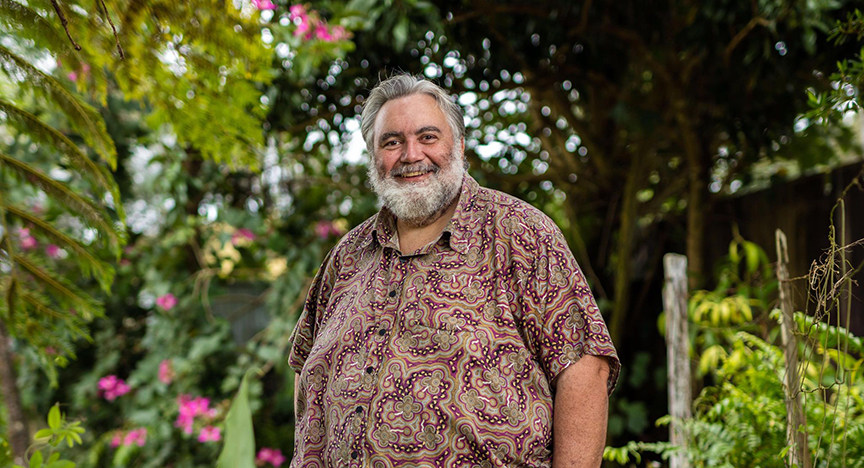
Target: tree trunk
x,y
19,433
696,198
626,236
696,208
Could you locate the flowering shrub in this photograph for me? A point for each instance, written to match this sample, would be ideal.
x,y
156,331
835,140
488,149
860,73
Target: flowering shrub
x,y
310,25
166,372
269,455
166,302
111,387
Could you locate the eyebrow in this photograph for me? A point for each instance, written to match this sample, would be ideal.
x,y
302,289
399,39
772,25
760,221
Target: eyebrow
x,y
387,135
429,128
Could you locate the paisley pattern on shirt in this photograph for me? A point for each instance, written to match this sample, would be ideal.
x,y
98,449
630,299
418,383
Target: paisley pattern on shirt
x,y
443,357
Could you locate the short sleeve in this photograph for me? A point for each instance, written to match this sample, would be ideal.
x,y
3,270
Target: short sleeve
x,y
303,336
561,317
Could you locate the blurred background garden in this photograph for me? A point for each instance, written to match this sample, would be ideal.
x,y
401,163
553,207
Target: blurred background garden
x,y
173,172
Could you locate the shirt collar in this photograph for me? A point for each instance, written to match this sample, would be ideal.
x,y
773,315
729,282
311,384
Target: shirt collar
x,y
457,230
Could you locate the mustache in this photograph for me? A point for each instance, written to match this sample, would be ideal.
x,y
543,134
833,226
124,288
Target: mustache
x,y
420,167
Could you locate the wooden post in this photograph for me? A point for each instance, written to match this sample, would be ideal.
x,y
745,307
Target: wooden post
x,y
677,352
796,425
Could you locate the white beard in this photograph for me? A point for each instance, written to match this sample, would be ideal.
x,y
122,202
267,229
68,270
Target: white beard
x,y
418,203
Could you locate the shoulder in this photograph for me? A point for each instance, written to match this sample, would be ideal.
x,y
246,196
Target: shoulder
x,y
517,220
356,239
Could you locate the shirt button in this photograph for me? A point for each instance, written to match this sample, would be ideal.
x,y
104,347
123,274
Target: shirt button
x,y
359,409
392,293
382,332
370,369
354,455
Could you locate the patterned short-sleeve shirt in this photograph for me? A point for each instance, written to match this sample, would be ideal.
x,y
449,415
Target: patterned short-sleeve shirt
x,y
447,356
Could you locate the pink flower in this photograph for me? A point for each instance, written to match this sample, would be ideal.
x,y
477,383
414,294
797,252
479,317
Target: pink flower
x,y
117,439
137,437
269,455
189,408
166,302
321,32
304,27
50,351
166,372
210,434
296,11
111,387
264,4
322,229
74,75
325,229
27,241
339,33
52,251
242,236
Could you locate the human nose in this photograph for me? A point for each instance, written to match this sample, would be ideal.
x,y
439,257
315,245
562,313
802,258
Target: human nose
x,y
413,152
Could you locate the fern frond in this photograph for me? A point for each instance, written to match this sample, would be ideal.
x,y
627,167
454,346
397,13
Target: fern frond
x,y
84,118
92,214
41,307
26,23
90,265
65,291
35,128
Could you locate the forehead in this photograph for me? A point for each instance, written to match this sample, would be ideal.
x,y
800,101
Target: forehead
x,y
410,113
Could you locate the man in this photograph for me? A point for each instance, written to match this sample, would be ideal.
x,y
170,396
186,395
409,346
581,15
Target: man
x,y
453,328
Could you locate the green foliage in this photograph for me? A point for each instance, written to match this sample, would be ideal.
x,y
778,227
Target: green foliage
x,y
58,431
848,80
239,449
740,417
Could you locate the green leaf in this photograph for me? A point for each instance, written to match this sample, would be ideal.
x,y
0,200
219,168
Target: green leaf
x,y
54,416
61,464
36,460
400,33
752,254
239,448
43,434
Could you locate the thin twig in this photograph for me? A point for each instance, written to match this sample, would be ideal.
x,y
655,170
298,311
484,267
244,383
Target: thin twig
x,y
65,23
727,55
116,38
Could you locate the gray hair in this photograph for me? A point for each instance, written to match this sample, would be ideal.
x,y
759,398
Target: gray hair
x,y
403,85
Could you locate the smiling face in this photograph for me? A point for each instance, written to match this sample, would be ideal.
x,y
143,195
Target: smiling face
x,y
418,168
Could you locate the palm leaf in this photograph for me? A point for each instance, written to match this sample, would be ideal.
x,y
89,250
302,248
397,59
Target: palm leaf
x,y
62,288
35,128
79,205
84,118
89,264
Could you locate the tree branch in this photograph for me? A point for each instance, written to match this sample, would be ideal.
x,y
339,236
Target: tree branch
x,y
65,23
741,35
116,38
